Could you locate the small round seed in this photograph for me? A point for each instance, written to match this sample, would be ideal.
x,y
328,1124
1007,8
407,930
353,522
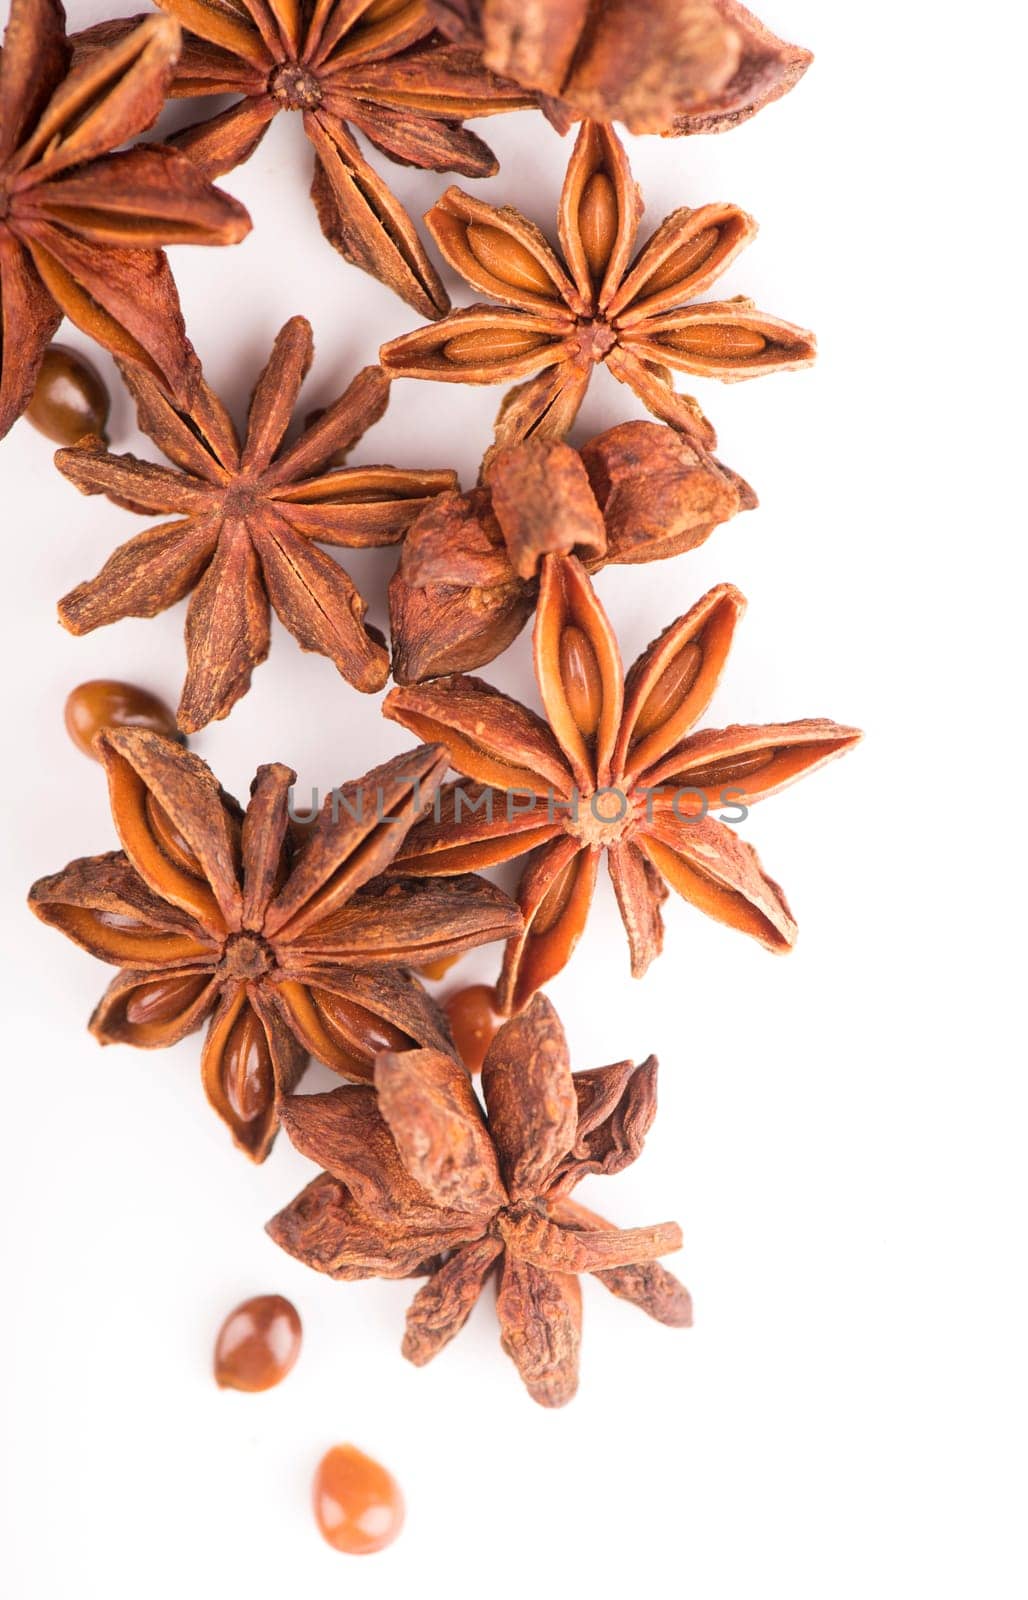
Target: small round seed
x,y
717,341
598,222
670,690
70,398
106,703
507,259
720,773
487,345
684,261
474,1022
246,1069
580,675
169,840
164,999
358,1505
258,1344
555,901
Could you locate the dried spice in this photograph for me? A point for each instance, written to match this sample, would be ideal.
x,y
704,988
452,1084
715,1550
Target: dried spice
x,y
419,1171
374,65
615,769
81,228
258,1344
108,703
561,315
469,572
70,398
358,1505
249,519
659,66
288,950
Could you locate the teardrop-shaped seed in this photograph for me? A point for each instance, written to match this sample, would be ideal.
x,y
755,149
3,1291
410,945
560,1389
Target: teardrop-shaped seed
x,y
555,901
164,999
70,399
598,222
108,703
169,840
507,259
684,261
487,345
669,690
580,676
246,1069
724,341
357,1029
724,772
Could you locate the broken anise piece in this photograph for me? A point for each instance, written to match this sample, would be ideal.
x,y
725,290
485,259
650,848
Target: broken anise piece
x,y
81,228
561,315
469,572
658,66
419,1171
288,949
616,769
249,520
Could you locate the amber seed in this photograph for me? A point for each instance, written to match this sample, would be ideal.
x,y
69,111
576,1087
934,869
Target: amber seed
x,y
358,1505
684,261
258,1344
489,344
507,259
70,399
379,10
723,772
434,970
164,999
580,676
598,222
246,1067
107,703
717,341
169,840
669,690
474,1021
555,901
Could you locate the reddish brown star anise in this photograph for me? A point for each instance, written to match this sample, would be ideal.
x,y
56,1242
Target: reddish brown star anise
x,y
284,936
659,66
469,574
81,228
374,64
419,1172
250,518
595,303
617,770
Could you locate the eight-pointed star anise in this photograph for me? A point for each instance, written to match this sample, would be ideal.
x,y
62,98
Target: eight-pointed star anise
x,y
420,1172
595,304
249,520
285,937
469,573
81,228
617,769
659,66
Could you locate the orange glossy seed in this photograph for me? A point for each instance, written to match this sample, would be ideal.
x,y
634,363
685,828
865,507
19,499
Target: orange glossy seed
x,y
488,345
70,399
108,703
258,1344
359,1031
555,901
164,999
717,341
434,970
246,1069
474,1021
170,841
358,1505
507,259
722,772
670,689
580,675
684,261
379,10
598,222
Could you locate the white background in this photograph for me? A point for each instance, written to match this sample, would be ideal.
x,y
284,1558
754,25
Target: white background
x,y
841,1132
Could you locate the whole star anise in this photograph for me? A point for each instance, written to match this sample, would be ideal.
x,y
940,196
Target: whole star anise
x,y
469,573
419,1172
615,770
376,65
595,303
659,66
249,519
81,228
286,938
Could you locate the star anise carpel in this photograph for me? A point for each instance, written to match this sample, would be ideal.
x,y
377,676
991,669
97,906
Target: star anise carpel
x,y
420,1171
249,519
598,301
658,66
285,940
616,770
82,222
469,570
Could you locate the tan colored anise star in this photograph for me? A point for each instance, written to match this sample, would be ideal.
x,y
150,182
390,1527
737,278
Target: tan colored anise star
x,y
615,770
81,228
561,315
419,1172
249,520
286,938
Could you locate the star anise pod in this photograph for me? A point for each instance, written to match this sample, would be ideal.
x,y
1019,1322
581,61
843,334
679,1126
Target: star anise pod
x,y
659,66
249,519
419,1172
285,937
80,227
469,572
375,65
616,769
561,315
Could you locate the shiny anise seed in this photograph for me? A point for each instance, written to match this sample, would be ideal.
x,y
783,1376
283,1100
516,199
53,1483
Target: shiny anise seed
x,y
164,999
683,262
491,344
474,1021
107,703
169,840
434,970
669,690
258,1344
357,1029
70,399
580,676
733,767
507,259
555,901
716,341
598,222
358,1505
246,1067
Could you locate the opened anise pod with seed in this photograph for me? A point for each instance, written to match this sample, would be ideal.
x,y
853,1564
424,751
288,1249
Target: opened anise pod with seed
x,y
659,66
561,315
81,229
469,572
616,769
284,939
249,519
420,1172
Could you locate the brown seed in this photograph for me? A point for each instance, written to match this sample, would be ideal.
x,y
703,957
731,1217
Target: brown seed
x,y
434,970
474,1021
358,1030
164,999
580,675
246,1069
487,345
169,840
555,901
379,10
724,772
598,222
70,398
684,261
717,341
358,1505
507,259
669,690
258,1344
106,703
